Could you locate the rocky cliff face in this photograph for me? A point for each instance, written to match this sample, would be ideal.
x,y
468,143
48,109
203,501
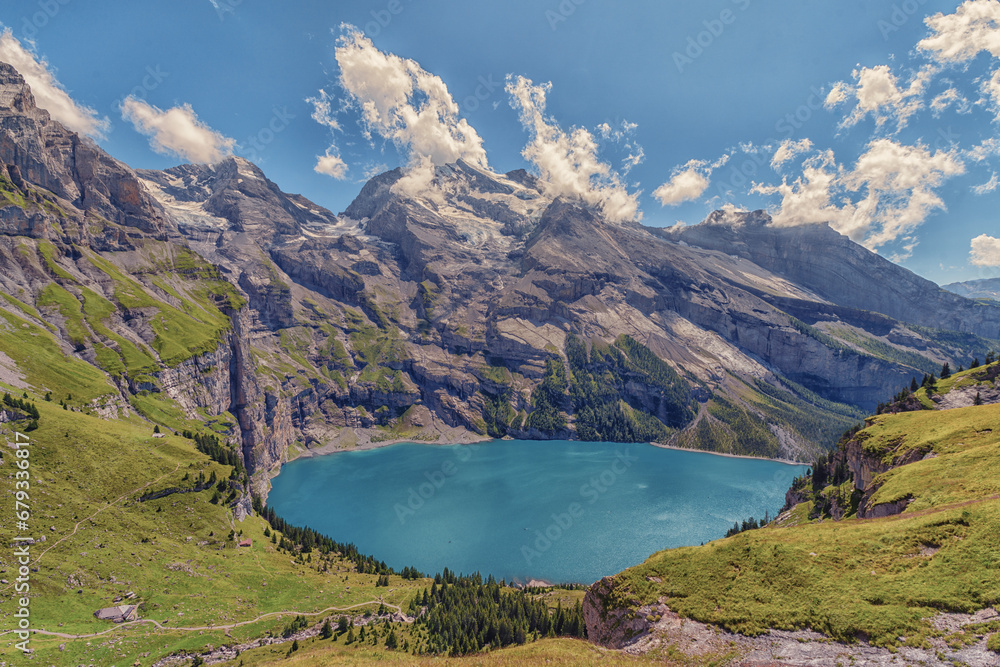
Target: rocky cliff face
x,y
444,307
57,172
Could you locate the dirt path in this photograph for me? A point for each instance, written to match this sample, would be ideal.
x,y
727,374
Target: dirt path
x,y
159,625
77,526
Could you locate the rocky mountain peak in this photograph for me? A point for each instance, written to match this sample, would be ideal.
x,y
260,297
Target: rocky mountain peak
x,y
15,95
726,218
232,194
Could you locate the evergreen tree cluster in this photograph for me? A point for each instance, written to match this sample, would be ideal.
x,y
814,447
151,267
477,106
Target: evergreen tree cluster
x,y
498,414
599,380
752,434
748,524
547,399
213,447
305,540
298,624
28,408
830,470
987,374
465,615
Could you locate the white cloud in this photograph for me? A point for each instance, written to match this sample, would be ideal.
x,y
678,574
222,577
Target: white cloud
x,y
323,110
418,181
567,161
624,134
685,185
331,165
948,98
636,156
877,92
788,150
985,251
988,186
887,195
688,182
838,94
959,37
991,87
983,150
403,103
177,131
49,93
808,199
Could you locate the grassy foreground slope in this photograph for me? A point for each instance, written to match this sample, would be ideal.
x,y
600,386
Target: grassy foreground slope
x,y
174,553
879,580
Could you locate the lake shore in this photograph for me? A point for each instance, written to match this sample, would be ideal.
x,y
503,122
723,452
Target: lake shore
x,y
731,456
450,436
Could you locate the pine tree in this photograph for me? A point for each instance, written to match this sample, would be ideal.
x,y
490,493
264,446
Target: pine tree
x,y
975,363
391,642
327,631
978,400
913,385
945,371
350,636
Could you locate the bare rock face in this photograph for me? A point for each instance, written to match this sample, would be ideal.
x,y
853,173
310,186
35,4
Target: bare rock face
x,y
92,189
830,264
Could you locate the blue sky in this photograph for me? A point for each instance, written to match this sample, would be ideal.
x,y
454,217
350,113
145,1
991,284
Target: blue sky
x,y
664,109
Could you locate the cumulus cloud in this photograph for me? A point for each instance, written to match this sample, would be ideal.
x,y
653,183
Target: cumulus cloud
x,y
959,37
400,101
567,161
49,93
788,150
177,131
331,165
985,251
887,195
877,92
688,182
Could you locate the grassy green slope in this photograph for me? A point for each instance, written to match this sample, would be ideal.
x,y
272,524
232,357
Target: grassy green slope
x,y
174,553
880,578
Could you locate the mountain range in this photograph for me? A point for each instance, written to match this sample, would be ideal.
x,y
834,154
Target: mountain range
x,y
458,304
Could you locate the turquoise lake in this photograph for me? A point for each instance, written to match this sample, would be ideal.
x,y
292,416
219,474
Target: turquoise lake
x,y
557,511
